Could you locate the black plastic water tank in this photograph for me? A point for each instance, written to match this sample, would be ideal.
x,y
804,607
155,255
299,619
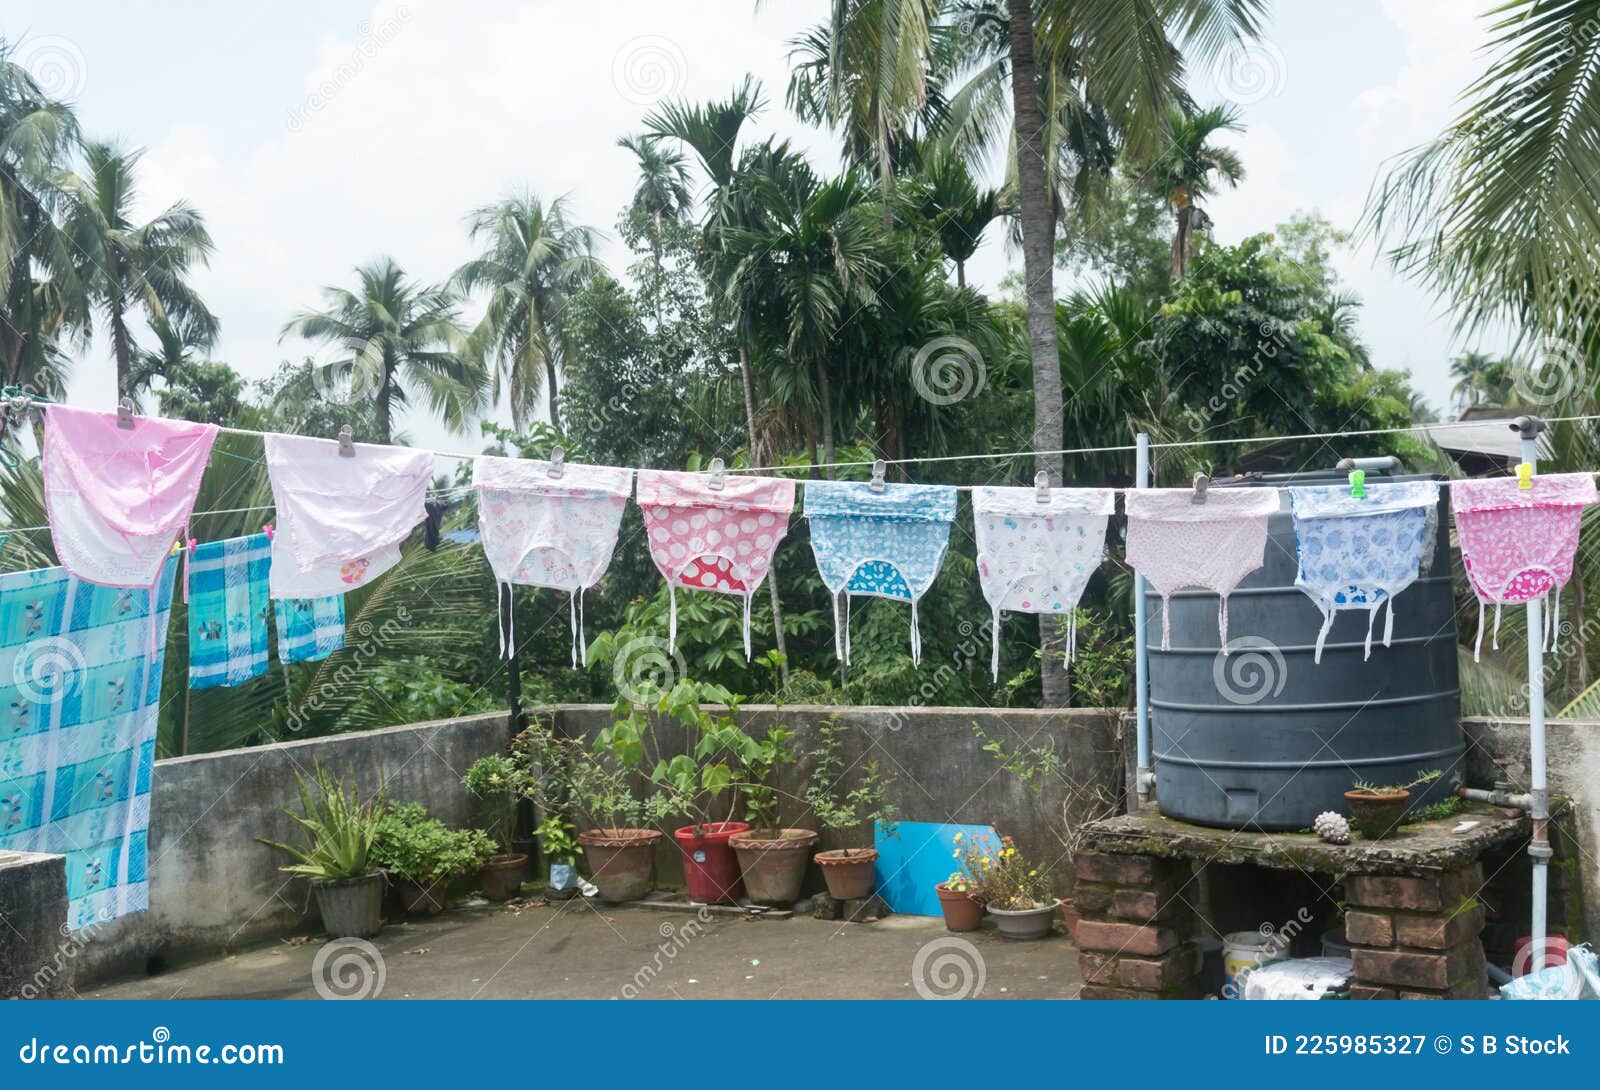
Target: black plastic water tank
x,y
1266,738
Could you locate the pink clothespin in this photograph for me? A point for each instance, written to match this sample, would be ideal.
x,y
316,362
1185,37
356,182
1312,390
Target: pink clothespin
x,y
267,528
192,544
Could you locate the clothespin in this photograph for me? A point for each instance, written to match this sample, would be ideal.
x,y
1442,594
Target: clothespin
x,y
558,460
192,543
1524,476
1041,487
125,414
347,446
268,529
1358,484
718,478
1201,483
879,468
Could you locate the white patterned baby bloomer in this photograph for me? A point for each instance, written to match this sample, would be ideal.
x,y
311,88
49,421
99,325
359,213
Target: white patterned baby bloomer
x,y
1358,552
340,520
887,544
1037,557
1174,543
540,530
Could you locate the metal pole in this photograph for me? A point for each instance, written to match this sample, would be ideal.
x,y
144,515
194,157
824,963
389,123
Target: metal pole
x,y
1143,777
1539,851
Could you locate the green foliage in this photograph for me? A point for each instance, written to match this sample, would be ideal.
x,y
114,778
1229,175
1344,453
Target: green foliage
x,y
842,796
342,832
497,779
425,850
1397,788
559,839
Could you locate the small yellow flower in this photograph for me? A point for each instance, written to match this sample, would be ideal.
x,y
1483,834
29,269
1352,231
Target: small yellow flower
x,y
958,838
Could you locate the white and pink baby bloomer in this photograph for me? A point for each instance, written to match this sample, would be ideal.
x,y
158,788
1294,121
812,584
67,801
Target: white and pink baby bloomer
x,y
707,538
1518,544
540,529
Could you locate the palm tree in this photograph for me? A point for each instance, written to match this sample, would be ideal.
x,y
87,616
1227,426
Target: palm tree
x,y
1474,374
662,191
179,344
1187,168
947,197
534,261
126,266
397,340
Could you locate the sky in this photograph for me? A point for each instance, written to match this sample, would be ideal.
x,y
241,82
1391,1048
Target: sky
x,y
318,135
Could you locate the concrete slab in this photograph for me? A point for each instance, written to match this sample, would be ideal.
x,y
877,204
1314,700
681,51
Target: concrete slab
x,y
579,950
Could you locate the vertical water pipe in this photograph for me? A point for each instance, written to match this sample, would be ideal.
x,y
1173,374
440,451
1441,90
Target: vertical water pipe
x,y
1539,851
1143,778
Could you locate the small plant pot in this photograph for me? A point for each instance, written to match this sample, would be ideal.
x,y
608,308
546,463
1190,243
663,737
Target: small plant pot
x,y
962,911
419,900
1377,816
773,866
1024,924
351,908
1070,916
850,875
710,870
501,877
620,860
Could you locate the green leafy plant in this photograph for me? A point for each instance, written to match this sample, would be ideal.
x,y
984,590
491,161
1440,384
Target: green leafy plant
x,y
559,839
498,780
423,849
1011,882
838,803
1390,790
341,830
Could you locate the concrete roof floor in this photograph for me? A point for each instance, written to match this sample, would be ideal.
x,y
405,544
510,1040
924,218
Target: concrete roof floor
x,y
580,950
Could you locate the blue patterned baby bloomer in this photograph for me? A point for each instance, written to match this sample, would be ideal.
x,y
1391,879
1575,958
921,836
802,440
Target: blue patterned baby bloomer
x,y
887,544
228,611
1358,553
309,629
79,695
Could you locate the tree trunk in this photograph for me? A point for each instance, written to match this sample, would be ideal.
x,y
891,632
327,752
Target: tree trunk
x,y
123,347
1038,257
385,392
772,574
825,396
961,273
1183,243
555,400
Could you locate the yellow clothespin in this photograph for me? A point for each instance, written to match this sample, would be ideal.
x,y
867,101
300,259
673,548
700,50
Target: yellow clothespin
x,y
1358,484
1524,476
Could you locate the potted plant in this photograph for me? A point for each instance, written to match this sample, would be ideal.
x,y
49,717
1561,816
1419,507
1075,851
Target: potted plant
x,y
559,839
850,872
961,895
1016,894
338,856
422,855
495,780
1376,810
771,857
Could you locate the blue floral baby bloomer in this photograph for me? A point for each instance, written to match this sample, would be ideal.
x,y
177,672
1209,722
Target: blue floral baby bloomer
x,y
888,544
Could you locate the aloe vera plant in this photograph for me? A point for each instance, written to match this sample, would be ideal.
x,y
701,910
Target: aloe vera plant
x,y
341,830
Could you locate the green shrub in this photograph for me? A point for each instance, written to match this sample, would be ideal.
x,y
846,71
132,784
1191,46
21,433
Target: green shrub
x,y
412,845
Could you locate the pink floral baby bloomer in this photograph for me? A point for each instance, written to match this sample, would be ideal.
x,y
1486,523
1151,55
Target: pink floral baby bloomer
x,y
1518,544
703,538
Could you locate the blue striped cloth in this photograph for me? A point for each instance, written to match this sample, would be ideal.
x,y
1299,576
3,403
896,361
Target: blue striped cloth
x,y
228,611
309,628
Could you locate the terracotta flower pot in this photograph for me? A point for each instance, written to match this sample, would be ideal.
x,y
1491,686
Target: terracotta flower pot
x,y
850,875
501,876
620,860
1071,916
962,911
420,900
1377,816
1024,924
773,866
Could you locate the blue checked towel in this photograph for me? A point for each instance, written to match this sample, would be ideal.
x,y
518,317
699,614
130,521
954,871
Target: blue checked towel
x,y
309,628
228,611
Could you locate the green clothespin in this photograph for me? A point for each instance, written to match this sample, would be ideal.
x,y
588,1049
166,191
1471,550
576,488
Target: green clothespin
x,y
1358,484
1524,476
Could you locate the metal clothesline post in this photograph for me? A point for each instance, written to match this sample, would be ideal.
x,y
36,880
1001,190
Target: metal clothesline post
x,y
1529,427
1143,777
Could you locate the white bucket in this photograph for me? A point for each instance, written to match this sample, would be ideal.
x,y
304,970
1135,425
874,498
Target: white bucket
x,y
1246,950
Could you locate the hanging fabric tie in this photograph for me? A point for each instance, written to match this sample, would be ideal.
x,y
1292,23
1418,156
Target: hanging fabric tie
x,y
1037,557
1174,543
1358,552
340,519
119,489
1518,544
713,538
886,544
549,524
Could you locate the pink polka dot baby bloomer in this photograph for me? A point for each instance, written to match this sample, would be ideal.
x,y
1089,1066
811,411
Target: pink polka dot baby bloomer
x,y
718,539
1518,544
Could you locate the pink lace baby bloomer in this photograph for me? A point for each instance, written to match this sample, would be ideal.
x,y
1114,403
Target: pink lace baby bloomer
x,y
1518,544
705,538
1174,543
